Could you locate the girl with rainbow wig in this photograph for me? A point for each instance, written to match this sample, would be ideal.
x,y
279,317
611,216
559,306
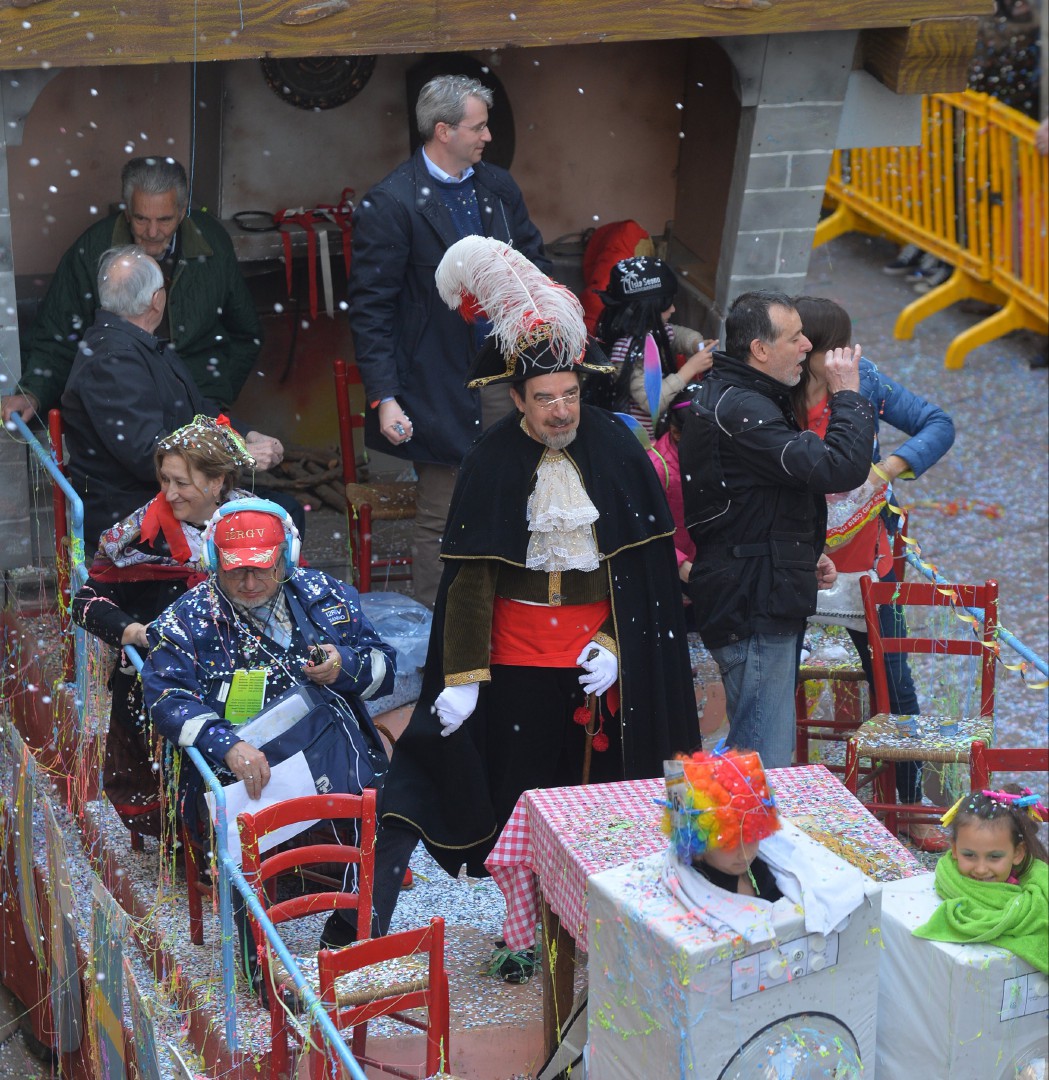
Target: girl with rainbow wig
x,y
719,808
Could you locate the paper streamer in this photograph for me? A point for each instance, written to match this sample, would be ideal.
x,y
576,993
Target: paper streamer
x,y
66,1002
109,926
23,784
142,1026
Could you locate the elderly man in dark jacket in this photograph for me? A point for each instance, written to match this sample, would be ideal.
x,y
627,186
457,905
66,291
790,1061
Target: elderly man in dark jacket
x,y
210,316
126,391
413,353
755,490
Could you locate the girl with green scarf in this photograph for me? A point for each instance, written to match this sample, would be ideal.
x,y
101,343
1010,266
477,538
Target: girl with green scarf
x,y
994,881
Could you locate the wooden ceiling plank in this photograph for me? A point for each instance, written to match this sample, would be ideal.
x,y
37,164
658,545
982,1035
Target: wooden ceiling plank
x,y
47,33
931,56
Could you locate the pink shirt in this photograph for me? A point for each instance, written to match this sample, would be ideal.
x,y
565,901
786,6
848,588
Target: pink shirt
x,y
663,456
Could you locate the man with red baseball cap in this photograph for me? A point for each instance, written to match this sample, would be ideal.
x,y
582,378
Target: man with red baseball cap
x,y
248,538
254,630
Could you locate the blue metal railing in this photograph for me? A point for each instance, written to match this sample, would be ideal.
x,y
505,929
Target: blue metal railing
x,y
77,569
1003,635
229,872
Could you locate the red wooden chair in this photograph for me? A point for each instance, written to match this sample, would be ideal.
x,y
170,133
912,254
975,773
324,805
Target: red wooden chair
x,y
263,873
848,708
367,502
886,739
983,761
386,977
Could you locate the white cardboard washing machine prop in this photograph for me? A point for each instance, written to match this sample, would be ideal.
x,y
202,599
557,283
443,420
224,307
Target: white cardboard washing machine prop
x,y
977,1011
676,991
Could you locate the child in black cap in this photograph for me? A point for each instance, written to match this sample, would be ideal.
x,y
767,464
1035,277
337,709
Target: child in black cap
x,y
635,330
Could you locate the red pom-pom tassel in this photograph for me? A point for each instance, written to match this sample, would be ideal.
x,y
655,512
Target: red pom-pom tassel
x,y
600,742
581,716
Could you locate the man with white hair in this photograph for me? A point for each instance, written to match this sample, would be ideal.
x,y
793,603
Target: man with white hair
x,y
126,391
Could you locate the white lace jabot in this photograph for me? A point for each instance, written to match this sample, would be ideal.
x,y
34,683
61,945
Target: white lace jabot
x,y
560,514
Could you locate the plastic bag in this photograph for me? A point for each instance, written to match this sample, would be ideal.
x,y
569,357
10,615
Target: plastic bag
x,y
849,511
401,622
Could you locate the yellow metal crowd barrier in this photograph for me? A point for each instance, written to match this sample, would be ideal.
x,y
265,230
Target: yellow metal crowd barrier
x,y
974,194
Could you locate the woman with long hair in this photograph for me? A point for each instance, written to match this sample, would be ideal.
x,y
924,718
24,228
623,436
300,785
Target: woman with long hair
x,y
636,332
931,433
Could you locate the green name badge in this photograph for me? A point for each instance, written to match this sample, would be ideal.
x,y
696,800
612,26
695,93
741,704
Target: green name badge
x,y
246,695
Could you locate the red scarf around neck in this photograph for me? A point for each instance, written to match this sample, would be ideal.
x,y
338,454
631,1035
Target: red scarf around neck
x,y
158,518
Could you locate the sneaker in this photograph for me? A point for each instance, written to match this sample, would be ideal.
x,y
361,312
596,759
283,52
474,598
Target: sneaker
x,y
933,278
906,259
510,966
926,264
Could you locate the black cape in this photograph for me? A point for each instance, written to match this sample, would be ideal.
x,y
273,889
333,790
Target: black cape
x,y
439,786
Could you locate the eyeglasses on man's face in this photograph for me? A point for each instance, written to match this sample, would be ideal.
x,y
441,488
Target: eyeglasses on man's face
x,y
569,400
475,129
241,574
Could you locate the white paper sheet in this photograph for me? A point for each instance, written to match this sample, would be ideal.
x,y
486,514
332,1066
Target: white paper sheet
x,y
288,780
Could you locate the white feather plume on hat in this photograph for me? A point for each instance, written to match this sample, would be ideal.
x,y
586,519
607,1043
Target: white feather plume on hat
x,y
479,274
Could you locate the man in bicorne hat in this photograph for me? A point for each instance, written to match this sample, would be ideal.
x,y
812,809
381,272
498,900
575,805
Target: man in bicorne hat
x,y
559,586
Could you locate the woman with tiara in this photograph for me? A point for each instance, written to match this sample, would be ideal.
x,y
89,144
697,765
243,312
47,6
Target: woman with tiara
x,y
143,563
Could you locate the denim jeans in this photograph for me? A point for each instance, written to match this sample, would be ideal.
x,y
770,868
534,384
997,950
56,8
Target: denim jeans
x,y
758,674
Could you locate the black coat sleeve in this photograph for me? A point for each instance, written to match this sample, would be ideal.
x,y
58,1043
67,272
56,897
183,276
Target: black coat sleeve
x,y
96,607
382,240
524,234
775,452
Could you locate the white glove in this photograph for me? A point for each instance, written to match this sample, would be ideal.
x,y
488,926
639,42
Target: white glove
x,y
454,704
601,670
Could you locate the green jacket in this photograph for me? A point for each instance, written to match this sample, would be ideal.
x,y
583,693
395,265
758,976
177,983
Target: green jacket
x,y
214,327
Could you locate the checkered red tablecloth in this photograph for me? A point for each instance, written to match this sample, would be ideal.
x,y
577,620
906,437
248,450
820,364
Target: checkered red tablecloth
x,y
560,836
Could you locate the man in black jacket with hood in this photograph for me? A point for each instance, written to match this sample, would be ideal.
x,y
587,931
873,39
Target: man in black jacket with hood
x,y
755,488
414,354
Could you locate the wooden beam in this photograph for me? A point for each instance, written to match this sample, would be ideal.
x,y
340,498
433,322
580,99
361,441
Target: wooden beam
x,y
931,56
61,33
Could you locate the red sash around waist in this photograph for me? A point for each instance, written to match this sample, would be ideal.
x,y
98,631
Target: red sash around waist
x,y
536,635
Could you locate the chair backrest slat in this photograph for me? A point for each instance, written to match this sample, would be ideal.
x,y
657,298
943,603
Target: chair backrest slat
x,y
985,760
927,594
310,808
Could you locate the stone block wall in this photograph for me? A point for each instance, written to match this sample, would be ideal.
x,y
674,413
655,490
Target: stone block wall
x,y
793,90
16,97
